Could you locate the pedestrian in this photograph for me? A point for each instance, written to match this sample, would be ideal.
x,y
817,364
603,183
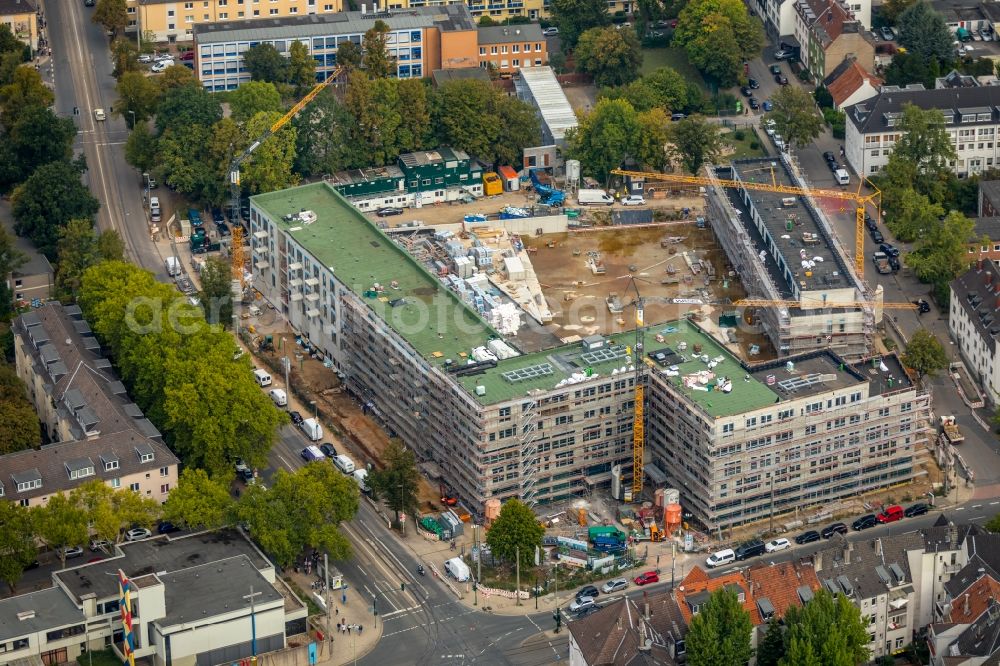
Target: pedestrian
x,y
360,629
348,630
336,611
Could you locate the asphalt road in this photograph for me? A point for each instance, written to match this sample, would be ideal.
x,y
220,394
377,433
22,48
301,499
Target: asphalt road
x,y
81,75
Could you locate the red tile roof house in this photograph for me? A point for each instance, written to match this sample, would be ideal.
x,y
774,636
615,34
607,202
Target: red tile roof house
x,y
849,84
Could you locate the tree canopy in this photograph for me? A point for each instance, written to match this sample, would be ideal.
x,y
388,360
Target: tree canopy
x,y
36,137
696,142
19,427
924,33
827,630
51,197
17,548
376,60
925,353
575,17
199,502
112,15
613,57
795,116
398,483
718,37
719,634
253,97
265,63
515,531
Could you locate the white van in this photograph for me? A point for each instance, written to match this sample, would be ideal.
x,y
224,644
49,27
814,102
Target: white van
x,y
361,478
457,569
344,464
842,177
154,209
173,266
279,397
727,556
312,429
261,377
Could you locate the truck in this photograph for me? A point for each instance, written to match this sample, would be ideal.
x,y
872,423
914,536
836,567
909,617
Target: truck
x,y
457,569
881,261
312,429
173,266
950,432
587,197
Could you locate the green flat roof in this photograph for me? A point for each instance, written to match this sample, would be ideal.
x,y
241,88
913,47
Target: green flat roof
x,y
432,319
565,360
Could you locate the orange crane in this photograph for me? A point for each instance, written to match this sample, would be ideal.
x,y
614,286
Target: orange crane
x,y
762,303
234,166
860,200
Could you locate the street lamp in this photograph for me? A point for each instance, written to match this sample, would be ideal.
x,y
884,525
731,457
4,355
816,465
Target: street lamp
x,y
313,403
132,113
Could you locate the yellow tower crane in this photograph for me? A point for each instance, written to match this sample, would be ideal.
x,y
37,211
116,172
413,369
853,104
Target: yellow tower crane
x,y
860,200
234,166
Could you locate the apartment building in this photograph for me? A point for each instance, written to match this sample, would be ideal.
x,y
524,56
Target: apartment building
x,y
32,282
779,16
421,40
95,430
785,250
974,323
630,631
188,599
22,18
828,33
971,117
508,48
849,83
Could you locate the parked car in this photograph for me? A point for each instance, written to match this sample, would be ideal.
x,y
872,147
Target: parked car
x,y
581,603
753,84
647,578
34,565
835,528
807,537
753,103
986,33
923,306
588,591
864,522
877,236
783,54
889,249
160,66
894,264
69,552
163,57
745,91
389,211
328,450
781,79
751,548
615,585
167,527
587,611
776,545
890,514
187,56
97,545
870,222
246,475
766,105
775,69
634,200
137,534
830,157
145,58
887,33
296,417
917,509
674,117
550,32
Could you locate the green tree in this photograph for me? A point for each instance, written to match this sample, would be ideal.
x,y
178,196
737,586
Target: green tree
x,y
19,428
265,63
324,137
891,9
93,499
515,531
613,57
49,199
938,256
398,483
199,501
795,116
17,542
638,93
517,127
138,94
37,137
187,106
60,523
181,159
907,68
415,124
671,88
719,36
925,353
913,214
376,59
604,137
270,168
924,32
124,57
9,62
217,291
77,251
696,142
112,15
110,246
374,103
650,146
253,97
140,148
301,66
302,509
349,56
575,17
719,635
993,525
176,76
11,259
25,91
8,42
772,647
827,630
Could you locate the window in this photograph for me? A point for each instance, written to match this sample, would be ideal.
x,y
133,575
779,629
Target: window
x,y
110,465
727,428
116,483
134,487
81,473
164,471
164,488
25,486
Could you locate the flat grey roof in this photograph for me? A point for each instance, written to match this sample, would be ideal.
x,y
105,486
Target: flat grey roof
x,y
157,555
51,609
509,34
448,18
550,99
213,589
811,373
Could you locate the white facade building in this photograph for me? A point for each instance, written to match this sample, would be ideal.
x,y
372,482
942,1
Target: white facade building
x,y
974,323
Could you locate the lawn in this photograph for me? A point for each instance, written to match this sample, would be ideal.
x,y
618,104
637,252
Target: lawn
x,y
741,148
99,658
671,57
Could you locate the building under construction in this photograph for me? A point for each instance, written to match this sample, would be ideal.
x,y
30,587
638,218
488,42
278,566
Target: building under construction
x,y
556,424
783,248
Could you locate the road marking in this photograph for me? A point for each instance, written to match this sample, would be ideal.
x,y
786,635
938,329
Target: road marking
x,y
994,503
362,570
399,612
403,631
978,517
961,508
976,506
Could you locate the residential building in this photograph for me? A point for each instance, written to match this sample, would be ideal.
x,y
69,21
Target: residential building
x,y
189,600
420,40
174,21
776,587
697,587
628,632
942,556
985,241
974,323
989,198
508,48
97,432
850,83
773,242
418,179
779,17
970,15
21,16
539,87
971,117
828,34
499,10
32,282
